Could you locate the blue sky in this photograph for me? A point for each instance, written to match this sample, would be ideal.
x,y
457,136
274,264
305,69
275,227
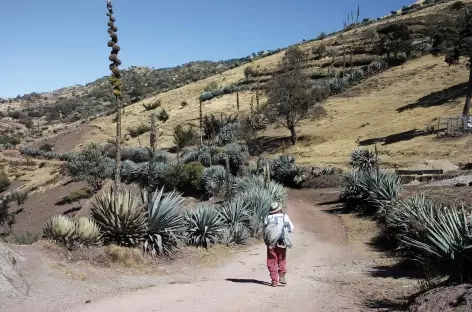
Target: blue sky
x,y
50,44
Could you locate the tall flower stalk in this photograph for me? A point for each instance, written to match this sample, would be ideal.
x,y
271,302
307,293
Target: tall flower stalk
x,y
117,88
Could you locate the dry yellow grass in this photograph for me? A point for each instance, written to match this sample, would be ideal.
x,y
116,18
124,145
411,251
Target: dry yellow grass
x,y
366,111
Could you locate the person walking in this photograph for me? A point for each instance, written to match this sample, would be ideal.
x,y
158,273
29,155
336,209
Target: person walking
x,y
276,228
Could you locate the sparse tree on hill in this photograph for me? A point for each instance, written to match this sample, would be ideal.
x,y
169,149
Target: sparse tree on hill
x,y
454,40
291,97
394,40
117,91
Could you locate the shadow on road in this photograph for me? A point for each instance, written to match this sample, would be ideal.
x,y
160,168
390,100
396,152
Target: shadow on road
x,y
247,281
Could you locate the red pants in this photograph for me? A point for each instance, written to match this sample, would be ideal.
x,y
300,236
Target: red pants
x,y
276,262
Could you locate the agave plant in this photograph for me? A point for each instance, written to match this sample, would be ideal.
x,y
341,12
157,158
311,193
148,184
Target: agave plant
x,y
213,178
255,183
363,159
445,244
408,218
238,234
166,223
337,85
229,133
381,190
236,153
62,230
285,170
258,194
122,220
87,230
352,194
354,76
234,211
203,226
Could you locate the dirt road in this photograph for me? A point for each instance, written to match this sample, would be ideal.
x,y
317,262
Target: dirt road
x,y
242,285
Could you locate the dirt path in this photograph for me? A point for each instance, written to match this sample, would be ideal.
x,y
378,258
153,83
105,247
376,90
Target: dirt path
x,y
241,284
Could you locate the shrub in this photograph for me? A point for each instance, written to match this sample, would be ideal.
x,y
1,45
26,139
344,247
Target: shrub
x,y
203,226
206,96
203,154
212,124
46,147
91,165
163,116
249,72
138,130
121,219
194,172
75,196
166,223
381,191
4,181
7,139
152,106
184,104
27,238
184,136
363,159
211,86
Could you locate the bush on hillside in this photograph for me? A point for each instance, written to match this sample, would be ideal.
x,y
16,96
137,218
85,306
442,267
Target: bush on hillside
x,y
8,139
184,136
163,116
91,165
4,181
212,124
138,130
152,105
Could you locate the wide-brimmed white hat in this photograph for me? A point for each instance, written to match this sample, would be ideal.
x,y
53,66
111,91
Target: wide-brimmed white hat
x,y
274,206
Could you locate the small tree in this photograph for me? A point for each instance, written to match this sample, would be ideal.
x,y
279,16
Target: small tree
x,y
395,39
292,99
248,72
453,40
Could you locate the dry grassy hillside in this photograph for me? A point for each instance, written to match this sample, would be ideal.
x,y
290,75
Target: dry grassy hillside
x,y
393,108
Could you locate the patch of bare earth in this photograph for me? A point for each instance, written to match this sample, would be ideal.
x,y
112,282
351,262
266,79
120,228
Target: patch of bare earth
x,y
331,267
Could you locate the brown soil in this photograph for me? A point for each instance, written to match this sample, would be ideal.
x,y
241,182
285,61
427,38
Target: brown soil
x,y
328,271
445,299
